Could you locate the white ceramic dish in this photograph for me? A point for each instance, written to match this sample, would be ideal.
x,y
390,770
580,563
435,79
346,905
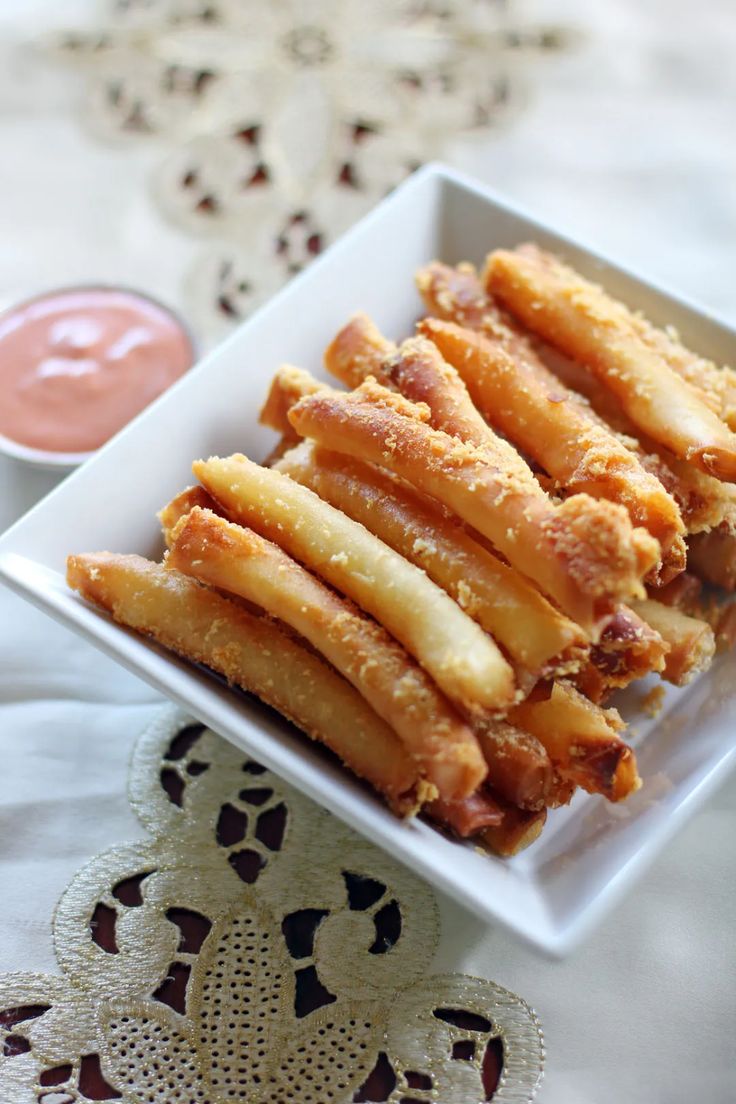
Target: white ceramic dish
x,y
42,458
590,852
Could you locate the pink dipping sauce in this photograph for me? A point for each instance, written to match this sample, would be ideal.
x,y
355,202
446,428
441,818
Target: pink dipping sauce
x,y
76,365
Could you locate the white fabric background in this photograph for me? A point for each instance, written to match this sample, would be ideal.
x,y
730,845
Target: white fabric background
x,y
630,143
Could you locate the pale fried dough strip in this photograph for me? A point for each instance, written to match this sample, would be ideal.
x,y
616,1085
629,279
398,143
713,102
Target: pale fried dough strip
x,y
579,448
550,424
581,320
417,371
180,505
582,740
358,351
704,501
463,660
712,556
253,654
691,641
239,561
582,553
288,385
717,384
539,639
420,373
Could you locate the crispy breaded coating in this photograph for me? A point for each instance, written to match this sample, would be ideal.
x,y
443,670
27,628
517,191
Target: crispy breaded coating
x,y
255,655
580,319
582,552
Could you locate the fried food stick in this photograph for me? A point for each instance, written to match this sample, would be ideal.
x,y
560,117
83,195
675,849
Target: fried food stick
x,y
691,641
549,423
628,649
683,592
518,830
358,351
228,557
520,768
540,640
287,386
457,295
704,501
494,823
180,505
581,320
712,556
417,371
716,385
255,655
467,817
585,448
463,660
583,741
582,553
590,458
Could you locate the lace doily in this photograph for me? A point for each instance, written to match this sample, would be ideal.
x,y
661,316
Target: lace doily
x,y
252,949
286,121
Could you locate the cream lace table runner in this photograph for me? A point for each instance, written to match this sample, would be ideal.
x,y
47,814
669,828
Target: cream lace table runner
x,y
252,949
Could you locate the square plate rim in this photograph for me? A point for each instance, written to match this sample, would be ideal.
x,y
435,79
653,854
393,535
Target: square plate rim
x,y
540,932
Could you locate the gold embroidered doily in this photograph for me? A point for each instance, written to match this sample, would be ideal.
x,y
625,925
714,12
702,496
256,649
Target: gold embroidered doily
x,y
253,949
281,123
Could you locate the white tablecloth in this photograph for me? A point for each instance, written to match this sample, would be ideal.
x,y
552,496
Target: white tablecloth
x,y
629,143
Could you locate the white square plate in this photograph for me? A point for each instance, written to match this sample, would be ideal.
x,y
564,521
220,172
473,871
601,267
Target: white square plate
x,y
590,851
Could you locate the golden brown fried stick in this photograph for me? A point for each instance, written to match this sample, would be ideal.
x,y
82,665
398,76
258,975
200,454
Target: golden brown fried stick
x,y
520,769
716,386
539,639
580,449
549,423
358,351
420,373
582,740
518,830
467,817
683,592
704,501
417,371
712,556
691,641
581,320
628,649
237,560
463,660
180,505
456,295
583,553
255,655
287,386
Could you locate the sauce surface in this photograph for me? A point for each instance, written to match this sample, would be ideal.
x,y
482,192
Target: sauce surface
x,y
76,365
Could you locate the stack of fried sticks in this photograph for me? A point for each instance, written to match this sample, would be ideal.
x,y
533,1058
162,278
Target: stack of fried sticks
x,y
444,572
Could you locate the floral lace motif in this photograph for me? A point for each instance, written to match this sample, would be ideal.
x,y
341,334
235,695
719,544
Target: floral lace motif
x,y
284,122
253,950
